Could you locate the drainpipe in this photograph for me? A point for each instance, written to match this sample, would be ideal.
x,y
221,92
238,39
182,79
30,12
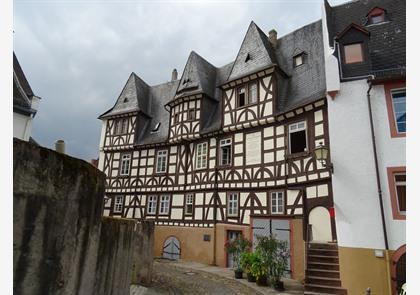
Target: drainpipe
x,y
375,155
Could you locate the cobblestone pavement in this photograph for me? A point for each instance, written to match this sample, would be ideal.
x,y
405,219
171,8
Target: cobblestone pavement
x,y
168,278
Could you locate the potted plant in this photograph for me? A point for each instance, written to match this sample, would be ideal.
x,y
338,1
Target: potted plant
x,y
246,260
279,266
259,269
236,247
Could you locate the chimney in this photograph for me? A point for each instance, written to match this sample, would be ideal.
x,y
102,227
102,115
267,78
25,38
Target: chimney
x,y
272,35
60,146
174,75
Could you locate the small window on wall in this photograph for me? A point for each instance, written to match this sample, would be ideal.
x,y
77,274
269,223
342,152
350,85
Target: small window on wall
x,y
233,201
298,60
189,204
176,118
399,108
151,205
277,203
253,93
125,164
118,204
399,179
116,126
225,151
353,53
191,114
241,96
161,161
164,204
124,126
297,137
201,156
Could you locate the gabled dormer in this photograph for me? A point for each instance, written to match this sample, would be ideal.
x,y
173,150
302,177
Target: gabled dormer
x,y
120,122
376,15
194,99
353,51
248,92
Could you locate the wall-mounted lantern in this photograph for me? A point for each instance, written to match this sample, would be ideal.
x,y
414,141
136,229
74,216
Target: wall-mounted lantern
x,y
321,154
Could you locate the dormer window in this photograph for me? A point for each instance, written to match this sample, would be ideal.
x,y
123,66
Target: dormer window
x,y
298,60
241,96
247,58
125,100
191,115
353,53
376,16
156,128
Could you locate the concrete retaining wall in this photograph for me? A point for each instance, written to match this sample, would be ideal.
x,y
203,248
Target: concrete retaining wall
x,y
143,253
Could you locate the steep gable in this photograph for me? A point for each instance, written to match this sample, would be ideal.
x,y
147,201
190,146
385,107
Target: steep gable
x,y
256,52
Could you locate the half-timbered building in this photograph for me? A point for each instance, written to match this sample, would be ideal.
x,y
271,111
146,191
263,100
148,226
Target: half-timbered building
x,y
226,150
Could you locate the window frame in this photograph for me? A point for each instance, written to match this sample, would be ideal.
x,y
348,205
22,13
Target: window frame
x,y
115,204
186,203
157,161
122,164
176,118
247,87
361,50
206,155
283,203
124,126
116,127
228,205
189,111
221,153
306,138
255,82
152,199
389,88
168,201
302,56
392,171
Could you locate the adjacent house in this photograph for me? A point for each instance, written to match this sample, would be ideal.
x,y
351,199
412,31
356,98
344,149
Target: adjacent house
x,y
25,103
364,46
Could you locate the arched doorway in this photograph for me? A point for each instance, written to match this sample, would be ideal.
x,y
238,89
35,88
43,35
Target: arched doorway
x,y
171,248
320,220
398,269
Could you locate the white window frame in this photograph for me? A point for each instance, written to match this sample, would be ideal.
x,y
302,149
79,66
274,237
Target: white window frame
x,y
250,92
277,202
294,127
125,164
164,204
233,204
201,155
152,204
118,204
226,142
298,60
161,161
189,200
397,91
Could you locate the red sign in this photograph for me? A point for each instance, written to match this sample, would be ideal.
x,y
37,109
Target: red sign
x,y
332,212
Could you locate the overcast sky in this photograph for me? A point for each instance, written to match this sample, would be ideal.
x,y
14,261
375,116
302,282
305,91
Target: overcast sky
x,y
77,55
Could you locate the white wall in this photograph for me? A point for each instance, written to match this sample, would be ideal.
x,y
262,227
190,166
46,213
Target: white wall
x,y
358,217
22,126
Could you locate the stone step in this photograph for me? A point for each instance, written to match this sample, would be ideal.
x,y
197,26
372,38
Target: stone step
x,y
331,246
323,265
325,289
325,273
323,281
322,258
325,252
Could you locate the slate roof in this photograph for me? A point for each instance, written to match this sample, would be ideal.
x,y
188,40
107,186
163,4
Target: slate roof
x,y
387,39
298,85
22,91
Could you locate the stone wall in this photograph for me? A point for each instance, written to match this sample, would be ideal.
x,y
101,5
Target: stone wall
x,y
61,243
57,207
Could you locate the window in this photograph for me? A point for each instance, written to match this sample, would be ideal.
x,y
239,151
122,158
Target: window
x,y
162,158
124,126
125,164
398,106
353,53
164,204
225,151
118,204
191,114
176,118
298,60
241,96
201,156
376,19
277,202
253,93
397,191
151,205
297,137
156,128
232,205
117,127
189,204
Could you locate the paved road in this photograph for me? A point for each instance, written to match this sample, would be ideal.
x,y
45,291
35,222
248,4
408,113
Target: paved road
x,y
170,279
